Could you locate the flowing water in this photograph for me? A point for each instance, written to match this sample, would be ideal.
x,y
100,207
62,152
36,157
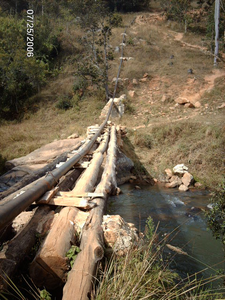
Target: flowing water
x,y
174,210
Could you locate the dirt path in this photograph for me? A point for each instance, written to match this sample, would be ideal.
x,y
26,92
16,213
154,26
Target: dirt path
x,y
192,88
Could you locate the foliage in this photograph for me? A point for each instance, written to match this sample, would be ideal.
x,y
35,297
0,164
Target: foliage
x,y
72,254
20,76
79,84
216,216
149,228
64,103
127,5
45,295
177,10
97,22
210,26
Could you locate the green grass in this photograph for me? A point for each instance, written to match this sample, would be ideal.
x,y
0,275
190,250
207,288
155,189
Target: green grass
x,y
199,145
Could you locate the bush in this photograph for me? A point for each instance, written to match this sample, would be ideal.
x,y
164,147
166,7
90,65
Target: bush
x,y
116,20
64,103
216,216
79,84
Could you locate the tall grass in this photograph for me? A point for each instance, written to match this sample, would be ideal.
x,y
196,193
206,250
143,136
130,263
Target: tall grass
x,y
199,145
143,274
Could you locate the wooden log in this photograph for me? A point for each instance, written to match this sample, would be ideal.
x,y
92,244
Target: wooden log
x,y
32,177
14,252
88,179
81,277
50,265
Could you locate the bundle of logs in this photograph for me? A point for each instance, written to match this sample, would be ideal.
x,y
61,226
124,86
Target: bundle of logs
x,y
78,222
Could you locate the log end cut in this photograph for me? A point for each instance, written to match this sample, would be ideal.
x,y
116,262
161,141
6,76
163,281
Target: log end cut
x,y
51,274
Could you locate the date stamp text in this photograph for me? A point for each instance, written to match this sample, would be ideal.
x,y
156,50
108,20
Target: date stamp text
x,y
30,33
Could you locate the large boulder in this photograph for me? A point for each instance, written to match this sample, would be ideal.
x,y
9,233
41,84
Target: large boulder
x,y
119,236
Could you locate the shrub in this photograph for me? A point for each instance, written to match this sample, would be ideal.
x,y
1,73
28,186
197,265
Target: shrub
x,y
116,20
216,216
79,84
64,103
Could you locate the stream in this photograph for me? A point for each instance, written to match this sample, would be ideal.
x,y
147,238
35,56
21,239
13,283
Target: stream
x,y
172,209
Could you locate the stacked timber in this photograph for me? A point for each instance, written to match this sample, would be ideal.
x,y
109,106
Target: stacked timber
x,y
50,265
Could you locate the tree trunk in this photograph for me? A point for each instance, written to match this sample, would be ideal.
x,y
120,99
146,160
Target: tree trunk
x,y
16,250
81,277
217,17
106,79
50,266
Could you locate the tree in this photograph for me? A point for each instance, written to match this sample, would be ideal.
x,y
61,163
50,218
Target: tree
x,y
216,17
97,23
22,76
127,5
177,10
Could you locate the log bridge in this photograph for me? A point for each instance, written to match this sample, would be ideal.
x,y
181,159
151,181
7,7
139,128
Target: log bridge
x,y
69,205
66,218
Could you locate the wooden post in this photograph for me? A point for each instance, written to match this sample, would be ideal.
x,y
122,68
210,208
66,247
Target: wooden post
x,y
81,277
50,265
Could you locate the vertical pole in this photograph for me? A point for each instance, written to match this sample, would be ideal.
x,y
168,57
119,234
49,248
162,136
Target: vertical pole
x,y
217,17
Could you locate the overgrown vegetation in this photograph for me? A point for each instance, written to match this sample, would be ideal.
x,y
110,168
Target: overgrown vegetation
x,y
216,215
20,76
143,274
197,145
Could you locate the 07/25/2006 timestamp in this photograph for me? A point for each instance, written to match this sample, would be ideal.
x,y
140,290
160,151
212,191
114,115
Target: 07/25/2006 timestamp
x,y
30,33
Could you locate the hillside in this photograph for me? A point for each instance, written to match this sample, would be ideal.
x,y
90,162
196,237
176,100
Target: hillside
x,y
156,79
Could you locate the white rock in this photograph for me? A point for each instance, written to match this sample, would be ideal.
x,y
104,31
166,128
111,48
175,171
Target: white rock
x,y
180,169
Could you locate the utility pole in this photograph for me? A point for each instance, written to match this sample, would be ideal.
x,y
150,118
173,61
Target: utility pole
x,y
217,19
